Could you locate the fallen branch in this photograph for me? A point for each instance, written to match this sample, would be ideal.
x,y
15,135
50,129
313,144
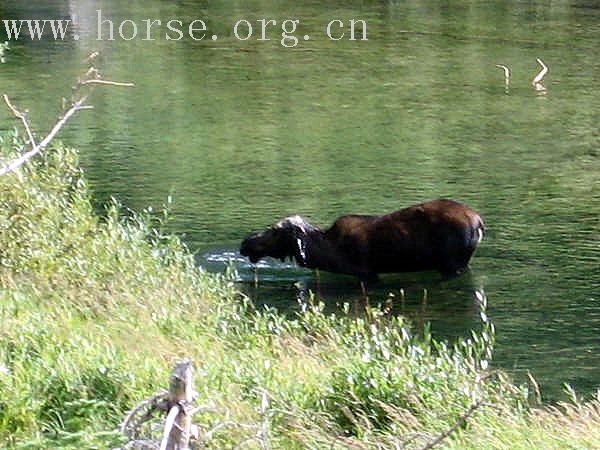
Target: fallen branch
x,y
152,404
540,76
459,423
140,444
169,424
177,432
106,83
506,71
77,104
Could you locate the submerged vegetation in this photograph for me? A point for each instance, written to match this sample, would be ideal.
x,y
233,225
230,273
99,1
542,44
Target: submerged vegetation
x,y
94,311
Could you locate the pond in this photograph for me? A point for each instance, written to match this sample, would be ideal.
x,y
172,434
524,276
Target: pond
x,y
243,133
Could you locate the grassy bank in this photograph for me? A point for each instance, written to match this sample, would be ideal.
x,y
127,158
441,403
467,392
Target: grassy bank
x,y
95,311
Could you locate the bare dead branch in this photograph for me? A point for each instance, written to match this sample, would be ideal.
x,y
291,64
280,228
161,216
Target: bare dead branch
x,y
169,425
506,71
153,404
20,115
177,402
413,437
92,56
181,393
262,435
106,83
140,444
460,422
77,104
540,76
18,162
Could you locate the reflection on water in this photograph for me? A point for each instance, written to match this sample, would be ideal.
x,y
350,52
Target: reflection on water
x,y
243,134
451,305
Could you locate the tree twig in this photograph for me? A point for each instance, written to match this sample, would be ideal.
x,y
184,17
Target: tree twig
x,y
20,115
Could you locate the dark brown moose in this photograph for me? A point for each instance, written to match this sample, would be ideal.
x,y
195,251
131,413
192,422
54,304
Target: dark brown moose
x,y
437,235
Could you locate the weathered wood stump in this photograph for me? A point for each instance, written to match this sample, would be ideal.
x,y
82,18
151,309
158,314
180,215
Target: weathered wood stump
x,y
178,425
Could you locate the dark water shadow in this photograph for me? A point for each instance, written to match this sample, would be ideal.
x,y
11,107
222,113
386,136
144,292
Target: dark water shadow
x,y
448,306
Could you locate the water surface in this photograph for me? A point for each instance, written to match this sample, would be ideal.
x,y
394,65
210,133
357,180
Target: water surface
x,y
244,133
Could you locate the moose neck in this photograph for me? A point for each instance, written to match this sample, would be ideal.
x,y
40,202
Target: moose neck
x,y
313,250
307,244
301,238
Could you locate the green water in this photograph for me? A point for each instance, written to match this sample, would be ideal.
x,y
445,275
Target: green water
x,y
244,133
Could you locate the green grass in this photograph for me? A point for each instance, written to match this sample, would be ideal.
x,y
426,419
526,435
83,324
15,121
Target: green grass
x,y
94,312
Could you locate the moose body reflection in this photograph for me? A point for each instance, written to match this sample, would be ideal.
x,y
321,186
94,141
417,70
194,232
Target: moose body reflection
x,y
437,235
